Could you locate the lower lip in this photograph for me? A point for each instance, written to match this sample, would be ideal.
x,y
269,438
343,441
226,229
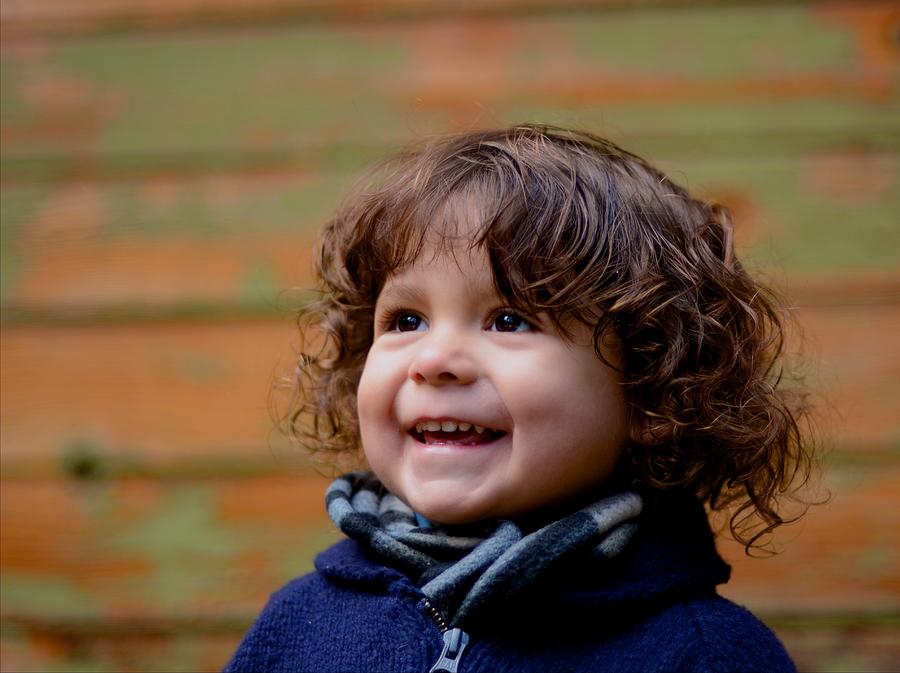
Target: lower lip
x,y
448,445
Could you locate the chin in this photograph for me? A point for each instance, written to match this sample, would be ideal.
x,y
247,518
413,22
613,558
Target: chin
x,y
450,512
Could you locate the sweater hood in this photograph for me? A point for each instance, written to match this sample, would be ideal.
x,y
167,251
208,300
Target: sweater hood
x,y
672,558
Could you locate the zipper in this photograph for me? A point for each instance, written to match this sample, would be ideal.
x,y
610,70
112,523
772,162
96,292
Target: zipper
x,y
455,641
435,615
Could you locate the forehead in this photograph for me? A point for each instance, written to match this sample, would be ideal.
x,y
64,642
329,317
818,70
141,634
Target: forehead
x,y
456,266
456,222
449,232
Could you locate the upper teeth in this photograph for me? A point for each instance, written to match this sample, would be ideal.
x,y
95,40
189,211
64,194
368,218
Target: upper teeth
x,y
446,426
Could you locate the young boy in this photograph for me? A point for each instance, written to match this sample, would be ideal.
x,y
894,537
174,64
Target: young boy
x,y
549,358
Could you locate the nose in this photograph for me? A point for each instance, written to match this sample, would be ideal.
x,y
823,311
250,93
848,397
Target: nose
x,y
443,360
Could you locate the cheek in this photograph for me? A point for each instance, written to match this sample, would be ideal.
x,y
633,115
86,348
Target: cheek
x,y
377,389
371,413
575,397
368,396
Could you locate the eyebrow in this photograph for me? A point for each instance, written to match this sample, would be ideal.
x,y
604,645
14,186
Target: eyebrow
x,y
401,293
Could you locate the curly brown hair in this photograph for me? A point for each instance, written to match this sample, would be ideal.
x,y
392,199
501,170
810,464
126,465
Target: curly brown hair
x,y
578,228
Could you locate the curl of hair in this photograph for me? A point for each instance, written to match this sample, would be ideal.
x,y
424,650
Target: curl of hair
x,y
578,228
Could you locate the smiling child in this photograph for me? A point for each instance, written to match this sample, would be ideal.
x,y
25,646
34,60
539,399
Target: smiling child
x,y
546,359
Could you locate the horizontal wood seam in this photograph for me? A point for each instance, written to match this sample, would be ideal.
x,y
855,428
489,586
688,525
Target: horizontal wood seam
x,y
103,467
16,169
113,20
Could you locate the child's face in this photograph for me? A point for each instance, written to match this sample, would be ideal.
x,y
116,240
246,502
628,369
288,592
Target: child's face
x,y
446,350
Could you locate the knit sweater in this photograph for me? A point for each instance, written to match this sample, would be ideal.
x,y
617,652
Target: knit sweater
x,y
654,608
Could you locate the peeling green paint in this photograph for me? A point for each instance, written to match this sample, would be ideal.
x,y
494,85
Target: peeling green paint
x,y
805,230
688,129
12,631
19,204
209,91
304,205
805,227
189,215
298,559
324,99
195,211
42,595
878,562
715,43
190,93
15,108
186,545
84,663
259,283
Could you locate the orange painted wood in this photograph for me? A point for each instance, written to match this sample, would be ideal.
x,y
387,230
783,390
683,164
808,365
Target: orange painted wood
x,y
853,370
149,549
368,83
169,394
22,19
840,558
241,238
156,199
214,549
43,646
157,394
47,647
163,240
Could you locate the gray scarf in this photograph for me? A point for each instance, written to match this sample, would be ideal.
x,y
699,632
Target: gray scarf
x,y
462,569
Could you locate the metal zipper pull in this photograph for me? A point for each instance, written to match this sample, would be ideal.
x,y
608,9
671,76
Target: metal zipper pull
x,y
455,641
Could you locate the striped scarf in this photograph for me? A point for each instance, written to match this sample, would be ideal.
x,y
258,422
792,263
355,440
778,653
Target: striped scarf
x,y
460,574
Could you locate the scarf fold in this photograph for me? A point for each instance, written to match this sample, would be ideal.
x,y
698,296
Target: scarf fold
x,y
463,570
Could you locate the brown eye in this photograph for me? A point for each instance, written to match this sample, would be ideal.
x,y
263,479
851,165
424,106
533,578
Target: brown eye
x,y
509,321
408,322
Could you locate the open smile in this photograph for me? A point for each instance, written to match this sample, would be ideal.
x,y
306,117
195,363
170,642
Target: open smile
x,y
453,432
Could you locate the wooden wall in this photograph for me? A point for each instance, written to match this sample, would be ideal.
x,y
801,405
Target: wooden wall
x,y
166,164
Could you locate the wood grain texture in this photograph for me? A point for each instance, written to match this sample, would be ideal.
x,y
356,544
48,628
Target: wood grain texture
x,y
150,549
144,548
782,70
166,164
109,565
241,239
857,530
54,18
149,394
164,394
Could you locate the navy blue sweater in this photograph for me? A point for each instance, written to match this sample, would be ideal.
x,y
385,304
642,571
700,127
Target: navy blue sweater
x,y
653,609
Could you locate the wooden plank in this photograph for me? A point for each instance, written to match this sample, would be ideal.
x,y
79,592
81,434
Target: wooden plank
x,y
856,376
760,71
241,239
128,573
157,396
215,239
51,17
41,645
148,549
844,645
816,215
147,394
32,644
840,558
